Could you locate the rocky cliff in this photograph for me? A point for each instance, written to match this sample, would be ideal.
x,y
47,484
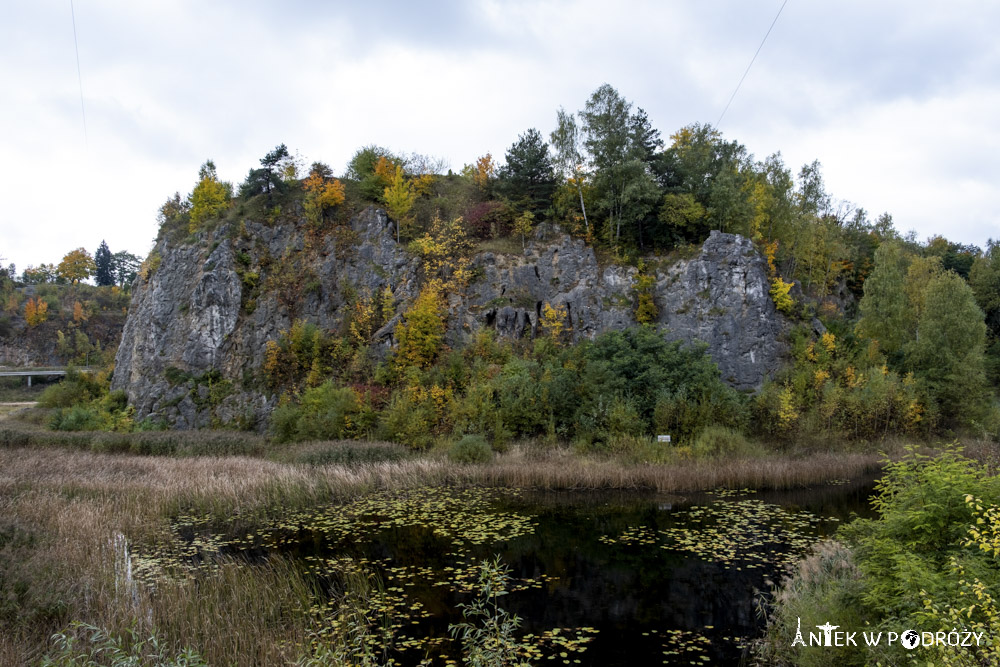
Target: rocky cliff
x,y
197,330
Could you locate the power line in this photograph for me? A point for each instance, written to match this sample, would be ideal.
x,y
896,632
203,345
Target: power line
x,y
79,77
733,96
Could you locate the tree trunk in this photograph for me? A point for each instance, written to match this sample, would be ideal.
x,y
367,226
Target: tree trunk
x,y
583,208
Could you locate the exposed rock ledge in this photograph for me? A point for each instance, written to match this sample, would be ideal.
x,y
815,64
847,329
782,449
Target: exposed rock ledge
x,y
190,326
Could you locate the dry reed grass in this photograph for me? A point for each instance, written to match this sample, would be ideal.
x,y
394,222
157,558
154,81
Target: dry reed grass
x,y
73,503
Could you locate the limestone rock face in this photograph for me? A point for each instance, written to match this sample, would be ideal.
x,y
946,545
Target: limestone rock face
x,y
563,273
194,344
722,297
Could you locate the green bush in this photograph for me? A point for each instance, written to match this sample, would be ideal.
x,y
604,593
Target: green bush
x,y
633,448
640,363
76,418
471,449
75,389
477,412
923,518
322,413
407,421
721,441
928,561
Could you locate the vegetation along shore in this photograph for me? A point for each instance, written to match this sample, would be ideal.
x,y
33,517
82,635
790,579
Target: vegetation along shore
x,y
312,412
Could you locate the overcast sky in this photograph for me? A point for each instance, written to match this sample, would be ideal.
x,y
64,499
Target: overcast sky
x,y
898,100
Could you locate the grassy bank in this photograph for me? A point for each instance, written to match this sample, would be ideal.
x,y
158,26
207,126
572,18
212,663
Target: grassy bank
x,y
65,498
927,561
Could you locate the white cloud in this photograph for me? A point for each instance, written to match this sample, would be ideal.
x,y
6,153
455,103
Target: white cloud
x,y
895,99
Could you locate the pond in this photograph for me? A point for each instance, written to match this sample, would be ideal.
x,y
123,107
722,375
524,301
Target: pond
x,y
597,578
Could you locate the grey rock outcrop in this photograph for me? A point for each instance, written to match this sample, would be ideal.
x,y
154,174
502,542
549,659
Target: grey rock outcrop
x,y
195,340
563,273
722,297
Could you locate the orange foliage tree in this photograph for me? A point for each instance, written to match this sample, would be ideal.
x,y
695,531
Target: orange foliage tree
x,y
36,311
486,170
321,195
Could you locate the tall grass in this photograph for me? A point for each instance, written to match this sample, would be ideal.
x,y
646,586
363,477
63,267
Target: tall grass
x,y
62,505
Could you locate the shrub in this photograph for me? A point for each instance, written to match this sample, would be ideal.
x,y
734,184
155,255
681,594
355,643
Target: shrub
x,y
489,220
471,449
487,630
477,412
76,418
640,364
76,388
684,414
824,585
636,448
928,561
720,441
518,397
323,413
83,645
407,421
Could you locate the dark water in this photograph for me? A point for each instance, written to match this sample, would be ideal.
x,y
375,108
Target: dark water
x,y
608,562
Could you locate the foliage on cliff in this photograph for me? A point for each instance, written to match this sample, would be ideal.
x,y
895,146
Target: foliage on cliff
x,y
611,178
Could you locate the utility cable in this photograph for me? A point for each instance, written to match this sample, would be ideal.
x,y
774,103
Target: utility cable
x,y
733,96
79,77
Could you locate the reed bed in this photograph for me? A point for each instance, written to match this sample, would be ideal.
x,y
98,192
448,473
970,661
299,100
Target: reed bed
x,y
565,472
62,510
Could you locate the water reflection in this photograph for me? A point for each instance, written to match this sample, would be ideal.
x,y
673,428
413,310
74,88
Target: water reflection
x,y
663,579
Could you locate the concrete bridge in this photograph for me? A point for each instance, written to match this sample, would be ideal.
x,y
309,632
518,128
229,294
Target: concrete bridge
x,y
36,373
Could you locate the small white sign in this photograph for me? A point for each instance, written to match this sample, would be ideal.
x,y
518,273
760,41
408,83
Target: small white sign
x,y
663,438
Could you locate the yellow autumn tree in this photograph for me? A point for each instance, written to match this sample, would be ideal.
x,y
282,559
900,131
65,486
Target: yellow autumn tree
x,y
759,196
209,199
385,170
770,250
423,184
645,284
779,288
782,299
398,196
35,311
78,313
420,335
76,265
553,321
788,414
445,250
523,225
485,171
321,195
368,314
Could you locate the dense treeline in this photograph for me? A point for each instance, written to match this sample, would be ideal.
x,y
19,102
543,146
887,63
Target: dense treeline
x,y
911,330
52,317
